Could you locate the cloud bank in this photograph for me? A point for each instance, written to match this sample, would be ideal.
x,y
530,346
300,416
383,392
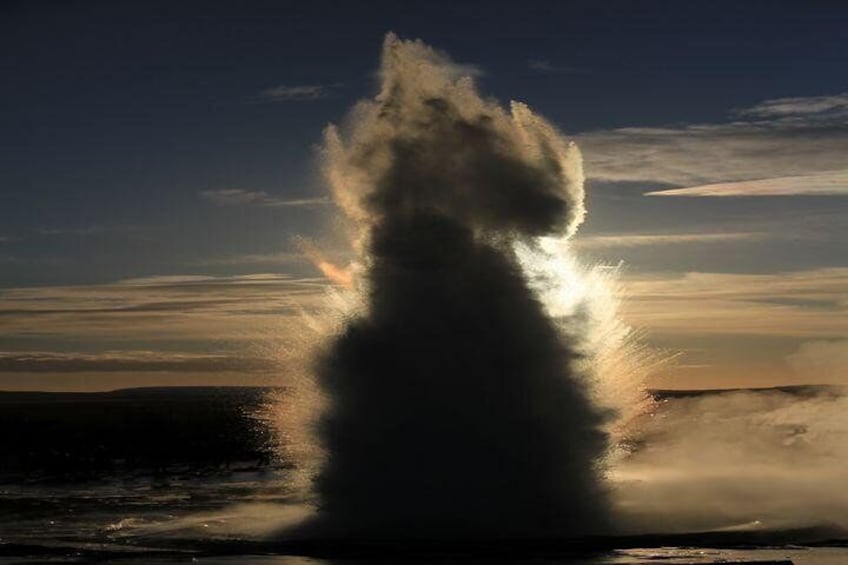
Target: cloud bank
x,y
797,303
789,137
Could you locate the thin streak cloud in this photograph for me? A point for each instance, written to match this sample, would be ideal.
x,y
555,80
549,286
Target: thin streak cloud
x,y
824,184
240,197
546,66
122,361
255,259
650,239
301,92
794,106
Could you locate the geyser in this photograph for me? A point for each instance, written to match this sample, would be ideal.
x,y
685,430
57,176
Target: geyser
x,y
454,405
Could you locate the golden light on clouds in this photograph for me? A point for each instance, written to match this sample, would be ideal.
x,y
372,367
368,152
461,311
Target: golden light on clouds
x,y
801,303
191,315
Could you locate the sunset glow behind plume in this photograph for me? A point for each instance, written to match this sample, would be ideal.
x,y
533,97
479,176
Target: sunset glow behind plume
x,y
584,300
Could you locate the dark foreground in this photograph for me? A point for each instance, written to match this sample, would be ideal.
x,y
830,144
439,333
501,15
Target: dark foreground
x,y
75,437
193,475
706,548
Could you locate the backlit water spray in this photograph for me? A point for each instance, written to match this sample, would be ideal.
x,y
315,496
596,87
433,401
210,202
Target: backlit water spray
x,y
464,394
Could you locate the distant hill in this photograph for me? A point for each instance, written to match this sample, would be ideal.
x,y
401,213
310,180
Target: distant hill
x,y
805,391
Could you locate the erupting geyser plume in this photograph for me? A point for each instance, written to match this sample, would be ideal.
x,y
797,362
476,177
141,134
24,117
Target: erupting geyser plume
x,y
456,404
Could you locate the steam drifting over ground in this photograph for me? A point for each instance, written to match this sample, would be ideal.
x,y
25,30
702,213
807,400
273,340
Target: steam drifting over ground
x,y
457,405
749,459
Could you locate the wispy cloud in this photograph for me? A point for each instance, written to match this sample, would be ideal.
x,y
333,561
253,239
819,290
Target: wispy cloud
x,y
776,139
233,196
833,106
240,197
822,360
89,230
802,304
287,202
7,238
283,258
288,93
162,309
546,66
651,239
824,184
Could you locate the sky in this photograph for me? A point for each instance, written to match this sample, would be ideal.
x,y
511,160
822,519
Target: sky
x,y
160,162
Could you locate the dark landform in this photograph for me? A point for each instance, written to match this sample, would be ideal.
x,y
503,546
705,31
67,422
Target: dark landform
x,y
82,436
69,437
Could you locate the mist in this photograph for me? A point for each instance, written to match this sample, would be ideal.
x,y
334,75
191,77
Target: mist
x,y
750,459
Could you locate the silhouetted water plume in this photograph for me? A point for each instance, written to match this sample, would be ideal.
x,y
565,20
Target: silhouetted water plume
x,y
454,408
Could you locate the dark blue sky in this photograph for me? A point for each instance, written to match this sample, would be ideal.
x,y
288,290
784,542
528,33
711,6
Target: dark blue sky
x,y
114,116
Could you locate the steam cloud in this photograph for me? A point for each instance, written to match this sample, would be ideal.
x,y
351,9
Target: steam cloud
x,y
454,405
749,459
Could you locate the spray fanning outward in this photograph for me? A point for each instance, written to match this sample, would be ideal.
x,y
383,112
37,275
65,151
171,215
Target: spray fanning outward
x,y
456,405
